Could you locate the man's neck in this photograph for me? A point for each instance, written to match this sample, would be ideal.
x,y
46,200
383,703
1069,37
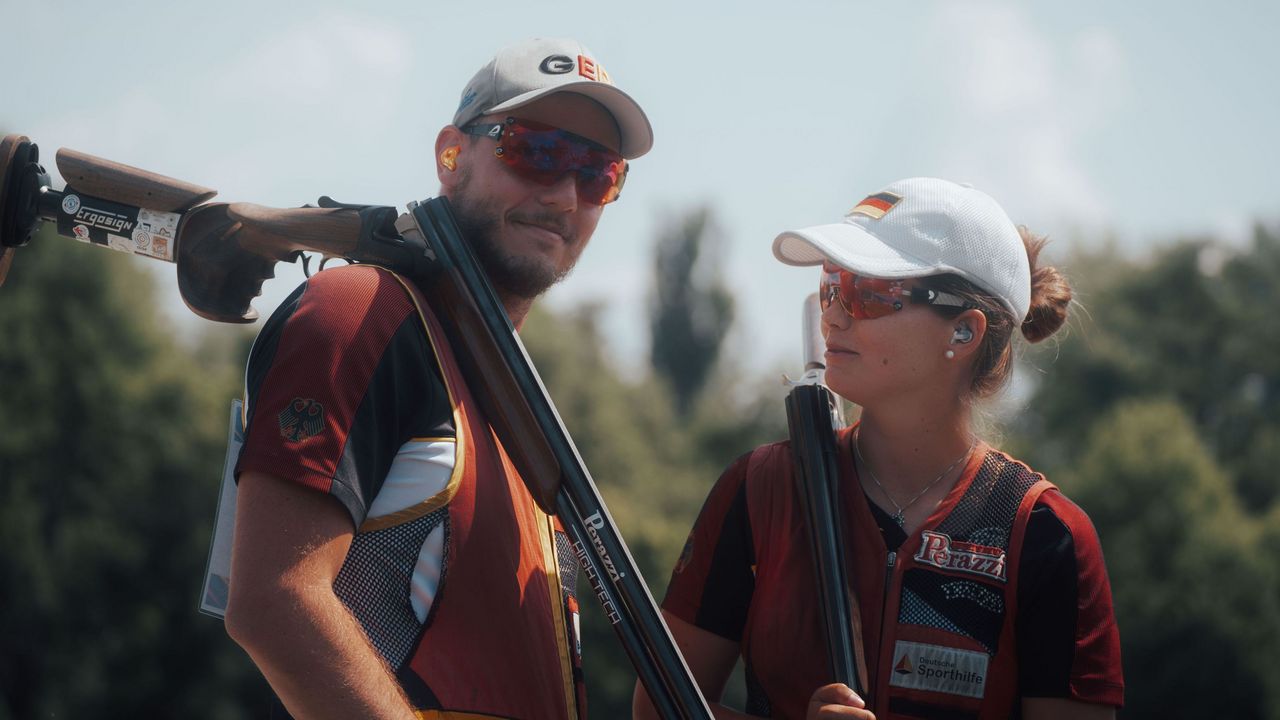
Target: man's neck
x,y
517,309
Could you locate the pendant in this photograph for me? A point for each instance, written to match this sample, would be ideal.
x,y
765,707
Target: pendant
x,y
900,519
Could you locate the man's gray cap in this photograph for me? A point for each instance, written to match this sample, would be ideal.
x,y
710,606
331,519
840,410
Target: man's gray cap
x,y
526,71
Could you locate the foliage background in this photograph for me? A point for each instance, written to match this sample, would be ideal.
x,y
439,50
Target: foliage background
x,y
1158,412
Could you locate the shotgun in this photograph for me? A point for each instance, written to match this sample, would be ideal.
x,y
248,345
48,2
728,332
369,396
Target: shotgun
x,y
224,252
813,414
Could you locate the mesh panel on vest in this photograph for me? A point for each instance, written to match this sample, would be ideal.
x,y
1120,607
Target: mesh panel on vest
x,y
568,565
985,514
916,611
966,604
964,607
374,583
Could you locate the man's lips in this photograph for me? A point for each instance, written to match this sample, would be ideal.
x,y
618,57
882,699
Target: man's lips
x,y
551,232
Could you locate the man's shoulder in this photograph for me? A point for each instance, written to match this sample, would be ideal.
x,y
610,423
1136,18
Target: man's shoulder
x,y
335,311
346,302
358,286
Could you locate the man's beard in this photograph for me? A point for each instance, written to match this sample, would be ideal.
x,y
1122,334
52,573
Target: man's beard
x,y
521,277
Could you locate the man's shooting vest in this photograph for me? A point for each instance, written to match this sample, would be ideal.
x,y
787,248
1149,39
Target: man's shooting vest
x,y
496,641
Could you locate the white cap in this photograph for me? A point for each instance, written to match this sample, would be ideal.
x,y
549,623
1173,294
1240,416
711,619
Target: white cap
x,y
919,227
526,71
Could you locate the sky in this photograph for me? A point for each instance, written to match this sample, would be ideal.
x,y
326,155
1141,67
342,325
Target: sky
x,y
1139,122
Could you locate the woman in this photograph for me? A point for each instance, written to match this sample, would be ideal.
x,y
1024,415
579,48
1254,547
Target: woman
x,y
981,590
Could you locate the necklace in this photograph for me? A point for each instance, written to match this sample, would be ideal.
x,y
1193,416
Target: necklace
x,y
900,516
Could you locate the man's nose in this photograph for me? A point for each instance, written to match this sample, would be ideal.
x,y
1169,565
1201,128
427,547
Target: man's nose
x,y
561,194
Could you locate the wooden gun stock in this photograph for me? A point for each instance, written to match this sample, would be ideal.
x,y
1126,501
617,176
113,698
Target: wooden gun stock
x,y
128,185
223,251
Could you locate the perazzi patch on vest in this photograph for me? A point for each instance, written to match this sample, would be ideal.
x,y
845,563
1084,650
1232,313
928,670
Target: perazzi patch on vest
x,y
939,550
875,206
919,666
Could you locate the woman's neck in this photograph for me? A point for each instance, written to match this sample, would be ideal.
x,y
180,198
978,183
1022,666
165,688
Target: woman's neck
x,y
906,450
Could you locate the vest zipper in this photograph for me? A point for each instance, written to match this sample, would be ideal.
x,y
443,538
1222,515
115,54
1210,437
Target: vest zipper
x,y
891,560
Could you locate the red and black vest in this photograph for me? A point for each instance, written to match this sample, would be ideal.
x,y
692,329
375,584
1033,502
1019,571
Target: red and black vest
x,y
459,581
936,617
496,642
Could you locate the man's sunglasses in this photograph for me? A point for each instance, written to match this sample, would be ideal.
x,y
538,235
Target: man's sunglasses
x,y
544,154
866,298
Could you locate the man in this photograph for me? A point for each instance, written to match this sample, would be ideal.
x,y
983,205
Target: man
x,y
388,560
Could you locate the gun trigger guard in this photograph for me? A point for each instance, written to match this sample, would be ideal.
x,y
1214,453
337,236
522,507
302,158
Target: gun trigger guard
x,y
326,259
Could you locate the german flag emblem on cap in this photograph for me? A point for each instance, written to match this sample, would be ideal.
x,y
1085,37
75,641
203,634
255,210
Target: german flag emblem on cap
x,y
875,206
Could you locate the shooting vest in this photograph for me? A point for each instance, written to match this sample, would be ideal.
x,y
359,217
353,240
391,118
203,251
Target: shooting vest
x,y
496,641
936,617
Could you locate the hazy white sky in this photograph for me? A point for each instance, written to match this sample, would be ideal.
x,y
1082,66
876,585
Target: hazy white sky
x,y
1144,120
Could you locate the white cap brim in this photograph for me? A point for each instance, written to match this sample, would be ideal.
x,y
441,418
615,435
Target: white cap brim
x,y
850,247
633,125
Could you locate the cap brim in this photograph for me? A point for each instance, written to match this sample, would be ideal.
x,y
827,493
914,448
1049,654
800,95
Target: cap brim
x,y
633,124
848,246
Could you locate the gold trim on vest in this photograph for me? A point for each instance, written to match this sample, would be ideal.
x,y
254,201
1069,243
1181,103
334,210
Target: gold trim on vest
x,y
442,498
547,533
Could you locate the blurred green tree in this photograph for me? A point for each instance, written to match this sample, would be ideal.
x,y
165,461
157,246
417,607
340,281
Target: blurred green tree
x,y
1159,414
1196,324
109,462
653,465
1194,584
690,309
645,466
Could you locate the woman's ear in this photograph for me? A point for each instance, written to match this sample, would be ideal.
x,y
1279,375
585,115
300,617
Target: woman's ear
x,y
969,328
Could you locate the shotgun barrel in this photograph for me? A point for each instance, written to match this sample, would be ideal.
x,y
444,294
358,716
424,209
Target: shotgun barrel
x,y
526,421
812,416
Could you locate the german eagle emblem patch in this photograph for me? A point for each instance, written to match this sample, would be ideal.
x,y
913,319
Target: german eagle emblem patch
x,y
301,419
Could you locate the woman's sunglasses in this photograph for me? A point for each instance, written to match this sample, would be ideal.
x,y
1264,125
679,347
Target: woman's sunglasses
x,y
544,154
866,298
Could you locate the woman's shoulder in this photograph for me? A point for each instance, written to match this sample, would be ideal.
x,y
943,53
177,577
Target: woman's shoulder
x,y
764,466
753,465
1060,533
1072,518
1000,462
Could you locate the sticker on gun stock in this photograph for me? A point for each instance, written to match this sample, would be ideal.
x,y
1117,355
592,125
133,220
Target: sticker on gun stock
x,y
120,227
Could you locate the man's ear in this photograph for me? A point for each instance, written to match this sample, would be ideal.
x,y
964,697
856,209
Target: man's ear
x,y
449,155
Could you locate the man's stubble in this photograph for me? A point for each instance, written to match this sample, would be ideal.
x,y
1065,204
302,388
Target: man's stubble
x,y
479,220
